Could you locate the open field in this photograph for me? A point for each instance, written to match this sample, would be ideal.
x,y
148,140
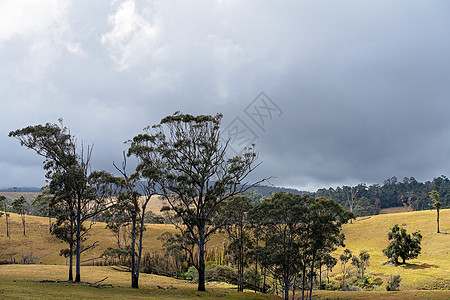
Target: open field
x,y
46,247
431,270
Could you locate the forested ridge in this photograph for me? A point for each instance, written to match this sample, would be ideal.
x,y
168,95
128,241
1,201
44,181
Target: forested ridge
x,y
366,200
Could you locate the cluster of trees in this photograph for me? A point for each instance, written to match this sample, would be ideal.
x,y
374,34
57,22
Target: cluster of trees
x,y
184,159
365,200
182,156
19,206
287,237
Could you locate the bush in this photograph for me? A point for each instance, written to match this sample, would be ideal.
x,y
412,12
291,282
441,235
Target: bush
x,y
223,273
191,274
393,283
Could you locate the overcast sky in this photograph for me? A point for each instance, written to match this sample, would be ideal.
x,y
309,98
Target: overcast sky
x,y
352,91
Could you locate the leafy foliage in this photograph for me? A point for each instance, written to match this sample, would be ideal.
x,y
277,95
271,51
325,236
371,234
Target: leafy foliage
x,y
193,173
402,245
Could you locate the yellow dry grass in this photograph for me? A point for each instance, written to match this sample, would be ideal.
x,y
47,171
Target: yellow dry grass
x,y
46,247
429,271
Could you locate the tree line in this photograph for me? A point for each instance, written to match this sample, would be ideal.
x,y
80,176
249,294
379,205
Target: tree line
x,y
365,200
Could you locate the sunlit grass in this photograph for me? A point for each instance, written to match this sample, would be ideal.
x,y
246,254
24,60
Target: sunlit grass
x,y
429,271
46,247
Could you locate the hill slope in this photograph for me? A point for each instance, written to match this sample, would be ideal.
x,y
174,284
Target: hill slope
x,y
430,270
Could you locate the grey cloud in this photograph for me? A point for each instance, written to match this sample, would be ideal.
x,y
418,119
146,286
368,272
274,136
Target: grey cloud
x,y
363,85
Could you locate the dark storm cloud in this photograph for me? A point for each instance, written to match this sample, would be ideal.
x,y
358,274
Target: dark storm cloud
x,y
363,85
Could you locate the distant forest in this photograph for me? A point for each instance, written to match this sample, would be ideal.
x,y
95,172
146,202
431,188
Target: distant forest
x,y
365,200
369,200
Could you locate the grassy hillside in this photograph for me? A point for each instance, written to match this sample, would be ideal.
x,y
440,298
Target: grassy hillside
x,y
46,247
429,271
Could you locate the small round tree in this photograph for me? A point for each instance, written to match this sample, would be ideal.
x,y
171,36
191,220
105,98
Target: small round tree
x,y
402,245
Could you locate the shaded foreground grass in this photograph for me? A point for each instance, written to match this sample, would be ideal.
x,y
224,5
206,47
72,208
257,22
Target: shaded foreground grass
x,y
23,282
410,295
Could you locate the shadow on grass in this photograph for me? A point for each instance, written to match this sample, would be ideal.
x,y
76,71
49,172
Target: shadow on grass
x,y
418,266
121,269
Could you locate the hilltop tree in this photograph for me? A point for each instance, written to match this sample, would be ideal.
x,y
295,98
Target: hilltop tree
x,y
3,205
197,176
68,172
402,245
18,206
437,204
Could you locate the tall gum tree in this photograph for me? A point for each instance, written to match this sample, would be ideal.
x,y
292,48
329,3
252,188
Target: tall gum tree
x,y
68,171
139,188
197,175
437,204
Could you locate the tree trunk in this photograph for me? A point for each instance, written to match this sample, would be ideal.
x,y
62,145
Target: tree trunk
x,y
256,262
118,237
437,220
286,288
264,280
78,245
303,280
23,224
320,276
312,275
7,225
201,260
138,264
134,283
71,262
293,287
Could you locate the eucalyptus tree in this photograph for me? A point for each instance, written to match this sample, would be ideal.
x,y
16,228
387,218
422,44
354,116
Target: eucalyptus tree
x,y
234,211
3,205
282,215
361,262
77,191
345,258
139,187
298,231
197,175
323,232
437,204
18,206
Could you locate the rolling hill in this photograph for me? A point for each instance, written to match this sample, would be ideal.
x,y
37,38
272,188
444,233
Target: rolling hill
x,y
431,270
